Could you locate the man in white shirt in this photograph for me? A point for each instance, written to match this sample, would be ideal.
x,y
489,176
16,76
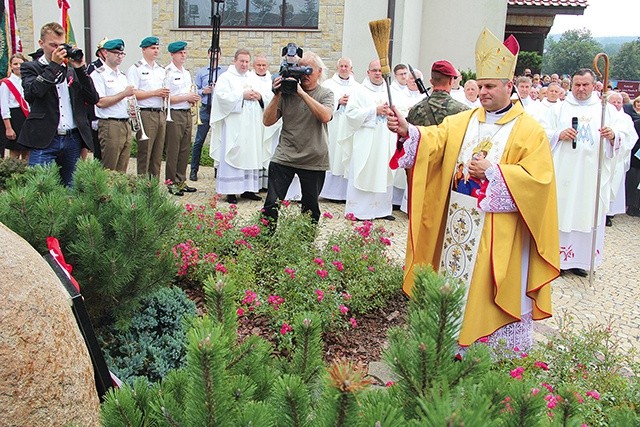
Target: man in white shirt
x,y
237,142
114,130
178,136
471,91
147,76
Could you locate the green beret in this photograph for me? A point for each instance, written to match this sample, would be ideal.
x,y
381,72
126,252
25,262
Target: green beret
x,y
114,44
149,41
176,46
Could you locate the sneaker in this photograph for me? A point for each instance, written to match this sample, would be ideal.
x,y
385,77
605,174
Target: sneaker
x,y
232,199
250,196
193,176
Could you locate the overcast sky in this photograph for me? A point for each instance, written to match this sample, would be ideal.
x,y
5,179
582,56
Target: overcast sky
x,y
604,18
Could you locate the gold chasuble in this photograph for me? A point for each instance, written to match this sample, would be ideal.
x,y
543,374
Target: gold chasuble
x,y
494,295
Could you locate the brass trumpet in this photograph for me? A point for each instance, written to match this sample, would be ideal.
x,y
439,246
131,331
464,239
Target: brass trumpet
x,y
195,107
134,117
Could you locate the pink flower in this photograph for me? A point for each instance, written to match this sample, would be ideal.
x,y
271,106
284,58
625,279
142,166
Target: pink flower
x,y
548,387
275,301
353,322
483,340
517,373
541,365
319,261
320,294
327,215
240,312
535,391
221,268
579,397
335,248
594,394
250,297
189,207
523,355
291,272
343,309
168,182
322,273
199,227
552,400
389,384
371,268
264,222
346,296
250,231
350,216
385,241
285,328
286,203
338,265
210,257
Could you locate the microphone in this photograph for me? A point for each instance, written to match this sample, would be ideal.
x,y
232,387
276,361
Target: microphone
x,y
574,125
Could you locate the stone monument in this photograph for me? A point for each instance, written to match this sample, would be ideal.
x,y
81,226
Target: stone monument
x,y
46,376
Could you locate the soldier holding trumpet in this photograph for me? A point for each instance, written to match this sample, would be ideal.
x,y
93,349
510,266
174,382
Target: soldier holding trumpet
x,y
114,89
178,133
147,76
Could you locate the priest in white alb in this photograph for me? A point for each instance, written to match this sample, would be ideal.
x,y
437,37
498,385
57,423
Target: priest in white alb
x,y
370,183
237,143
342,84
575,156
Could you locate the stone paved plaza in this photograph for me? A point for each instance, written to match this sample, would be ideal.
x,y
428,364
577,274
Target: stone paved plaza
x,y
614,298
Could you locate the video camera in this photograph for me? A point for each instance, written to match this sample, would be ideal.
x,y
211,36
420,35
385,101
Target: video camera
x,y
291,54
73,53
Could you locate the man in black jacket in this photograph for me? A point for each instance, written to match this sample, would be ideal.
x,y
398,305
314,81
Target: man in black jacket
x,y
59,92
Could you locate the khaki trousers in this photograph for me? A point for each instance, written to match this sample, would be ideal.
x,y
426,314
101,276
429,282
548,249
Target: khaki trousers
x,y
150,150
115,143
178,143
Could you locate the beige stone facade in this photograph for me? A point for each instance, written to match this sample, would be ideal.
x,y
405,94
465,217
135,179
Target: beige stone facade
x,y
25,24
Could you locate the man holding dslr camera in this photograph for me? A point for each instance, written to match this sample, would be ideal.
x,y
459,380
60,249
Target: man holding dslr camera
x,y
303,147
57,87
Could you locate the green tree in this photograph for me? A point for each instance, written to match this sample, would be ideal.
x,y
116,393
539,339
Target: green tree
x,y
575,49
528,59
625,65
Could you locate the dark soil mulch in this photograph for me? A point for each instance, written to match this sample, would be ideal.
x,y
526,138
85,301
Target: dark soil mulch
x,y
364,343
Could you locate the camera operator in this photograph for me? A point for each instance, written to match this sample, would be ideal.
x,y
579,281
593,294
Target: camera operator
x,y
57,87
303,147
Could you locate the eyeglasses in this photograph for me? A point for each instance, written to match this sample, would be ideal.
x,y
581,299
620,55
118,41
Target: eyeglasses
x,y
117,52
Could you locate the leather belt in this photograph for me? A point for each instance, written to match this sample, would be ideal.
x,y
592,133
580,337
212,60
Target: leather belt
x,y
67,132
180,109
155,110
114,118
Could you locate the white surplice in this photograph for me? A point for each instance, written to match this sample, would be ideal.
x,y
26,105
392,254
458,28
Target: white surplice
x,y
237,142
576,175
340,146
370,183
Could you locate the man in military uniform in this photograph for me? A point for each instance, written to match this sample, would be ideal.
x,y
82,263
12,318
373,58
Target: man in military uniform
x,y
178,134
147,76
114,130
433,109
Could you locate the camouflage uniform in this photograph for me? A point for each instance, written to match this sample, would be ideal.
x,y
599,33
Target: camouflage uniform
x,y
442,105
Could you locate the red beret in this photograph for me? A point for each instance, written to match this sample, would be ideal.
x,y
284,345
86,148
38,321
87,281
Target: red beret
x,y
444,67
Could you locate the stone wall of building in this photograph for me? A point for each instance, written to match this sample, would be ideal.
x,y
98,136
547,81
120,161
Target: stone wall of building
x,y
326,41
24,9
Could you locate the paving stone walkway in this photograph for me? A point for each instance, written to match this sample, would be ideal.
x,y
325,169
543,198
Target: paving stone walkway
x,y
614,298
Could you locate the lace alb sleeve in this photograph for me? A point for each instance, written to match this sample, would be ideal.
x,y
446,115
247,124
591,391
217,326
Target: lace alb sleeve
x,y
497,198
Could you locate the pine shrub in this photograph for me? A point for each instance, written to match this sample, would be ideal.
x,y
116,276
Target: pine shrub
x,y
113,229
